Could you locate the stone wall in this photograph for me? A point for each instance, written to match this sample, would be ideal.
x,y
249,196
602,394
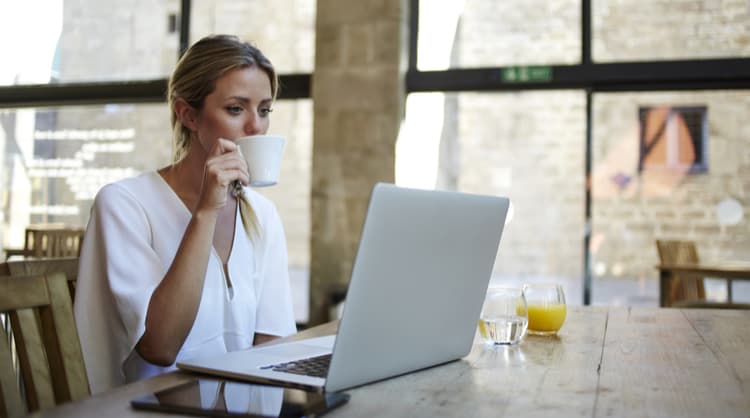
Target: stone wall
x,y
627,218
669,29
502,33
358,98
531,148
283,29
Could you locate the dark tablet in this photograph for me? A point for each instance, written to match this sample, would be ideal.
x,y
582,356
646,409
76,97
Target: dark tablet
x,y
221,398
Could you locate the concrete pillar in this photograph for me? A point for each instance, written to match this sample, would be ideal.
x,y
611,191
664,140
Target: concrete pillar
x,y
358,93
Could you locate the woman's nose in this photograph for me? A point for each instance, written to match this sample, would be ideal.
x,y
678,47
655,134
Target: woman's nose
x,y
252,125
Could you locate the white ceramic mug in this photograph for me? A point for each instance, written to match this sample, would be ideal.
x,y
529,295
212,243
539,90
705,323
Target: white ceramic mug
x,y
263,155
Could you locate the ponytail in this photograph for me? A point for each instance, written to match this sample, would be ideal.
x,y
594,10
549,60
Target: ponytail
x,y
247,213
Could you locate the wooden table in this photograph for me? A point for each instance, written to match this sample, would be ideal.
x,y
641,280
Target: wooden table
x,y
728,270
605,362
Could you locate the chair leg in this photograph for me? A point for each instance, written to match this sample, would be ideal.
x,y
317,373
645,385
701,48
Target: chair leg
x,y
665,287
729,290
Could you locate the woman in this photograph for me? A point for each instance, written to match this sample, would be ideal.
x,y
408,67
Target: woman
x,y
183,262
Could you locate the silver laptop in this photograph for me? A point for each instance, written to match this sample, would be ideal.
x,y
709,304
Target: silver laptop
x,y
420,275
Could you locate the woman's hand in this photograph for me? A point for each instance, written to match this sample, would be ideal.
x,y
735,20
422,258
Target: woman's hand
x,y
223,166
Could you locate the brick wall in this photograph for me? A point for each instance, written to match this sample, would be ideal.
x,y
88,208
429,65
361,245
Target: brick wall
x,y
627,220
500,33
669,29
529,147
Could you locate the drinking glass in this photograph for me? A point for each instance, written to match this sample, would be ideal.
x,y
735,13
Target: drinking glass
x,y
546,308
504,317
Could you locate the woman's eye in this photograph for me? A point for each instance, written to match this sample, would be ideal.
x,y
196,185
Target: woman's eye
x,y
265,111
234,109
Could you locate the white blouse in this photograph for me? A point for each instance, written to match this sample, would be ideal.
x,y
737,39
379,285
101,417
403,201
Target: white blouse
x,y
133,234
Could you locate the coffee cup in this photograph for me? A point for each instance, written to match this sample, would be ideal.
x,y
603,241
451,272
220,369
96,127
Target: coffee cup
x,y
263,156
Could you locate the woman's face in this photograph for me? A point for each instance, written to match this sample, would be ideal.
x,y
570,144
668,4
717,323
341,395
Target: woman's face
x,y
240,105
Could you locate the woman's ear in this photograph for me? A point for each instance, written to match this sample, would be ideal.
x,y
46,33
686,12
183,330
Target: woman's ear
x,y
186,114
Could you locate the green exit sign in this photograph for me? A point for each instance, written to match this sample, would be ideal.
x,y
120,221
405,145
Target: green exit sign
x,y
527,74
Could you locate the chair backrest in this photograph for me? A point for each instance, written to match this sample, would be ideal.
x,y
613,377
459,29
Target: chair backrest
x,y
38,266
50,363
49,240
53,241
681,252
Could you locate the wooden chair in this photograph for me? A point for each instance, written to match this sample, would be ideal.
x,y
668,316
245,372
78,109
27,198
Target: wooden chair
x,y
50,362
682,290
37,266
49,240
688,292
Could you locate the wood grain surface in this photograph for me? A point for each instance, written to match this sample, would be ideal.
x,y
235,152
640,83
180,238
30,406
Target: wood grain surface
x,y
605,362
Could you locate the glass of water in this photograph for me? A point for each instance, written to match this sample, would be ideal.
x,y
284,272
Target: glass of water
x,y
504,316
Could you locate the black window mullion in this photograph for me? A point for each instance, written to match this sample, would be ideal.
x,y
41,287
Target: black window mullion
x,y
587,278
586,62
730,73
413,34
586,32
83,93
293,86
185,8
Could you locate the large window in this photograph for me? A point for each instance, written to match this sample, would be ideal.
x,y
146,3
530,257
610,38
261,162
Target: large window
x,y
527,146
57,158
85,84
87,40
594,176
472,122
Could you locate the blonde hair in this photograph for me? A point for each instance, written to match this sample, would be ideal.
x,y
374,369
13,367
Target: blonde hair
x,y
195,77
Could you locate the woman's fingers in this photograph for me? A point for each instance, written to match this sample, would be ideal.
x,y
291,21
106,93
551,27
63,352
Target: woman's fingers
x,y
224,166
222,146
226,158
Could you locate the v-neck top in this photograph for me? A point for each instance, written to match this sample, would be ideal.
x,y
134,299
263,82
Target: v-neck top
x,y
134,231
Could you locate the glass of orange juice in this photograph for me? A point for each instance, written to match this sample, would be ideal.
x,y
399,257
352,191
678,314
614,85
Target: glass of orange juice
x,y
546,308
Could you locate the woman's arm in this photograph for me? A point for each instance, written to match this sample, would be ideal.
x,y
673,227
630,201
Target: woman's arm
x,y
264,338
175,301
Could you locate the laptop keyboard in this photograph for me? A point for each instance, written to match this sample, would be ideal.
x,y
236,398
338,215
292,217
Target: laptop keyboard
x,y
313,366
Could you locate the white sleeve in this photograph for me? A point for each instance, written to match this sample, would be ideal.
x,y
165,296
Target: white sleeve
x,y
118,272
275,314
